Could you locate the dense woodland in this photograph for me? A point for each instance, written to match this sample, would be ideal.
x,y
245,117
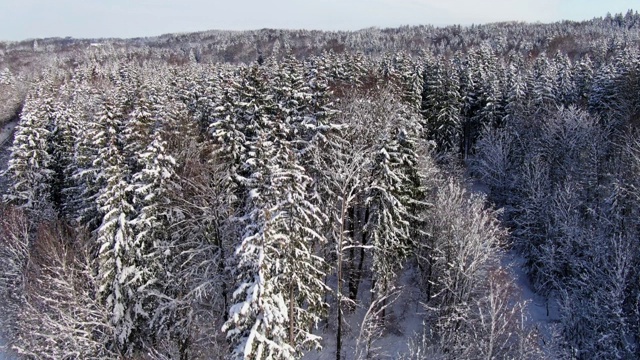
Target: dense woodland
x,y
241,194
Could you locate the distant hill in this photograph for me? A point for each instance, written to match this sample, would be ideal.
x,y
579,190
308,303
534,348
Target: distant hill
x,y
574,38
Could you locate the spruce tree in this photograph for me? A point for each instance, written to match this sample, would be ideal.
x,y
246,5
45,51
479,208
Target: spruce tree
x,y
30,162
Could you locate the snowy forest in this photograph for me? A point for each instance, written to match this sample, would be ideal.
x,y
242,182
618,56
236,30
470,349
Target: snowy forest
x,y
280,194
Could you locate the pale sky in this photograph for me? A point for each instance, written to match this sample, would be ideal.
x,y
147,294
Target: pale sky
x,y
25,19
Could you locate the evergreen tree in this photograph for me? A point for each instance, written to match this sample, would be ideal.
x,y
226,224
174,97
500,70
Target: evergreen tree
x,y
64,128
543,86
150,191
257,325
565,86
583,77
119,276
441,104
137,128
29,165
280,280
115,255
516,95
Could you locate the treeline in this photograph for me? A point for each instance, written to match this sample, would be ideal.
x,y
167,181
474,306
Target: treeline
x,y
595,36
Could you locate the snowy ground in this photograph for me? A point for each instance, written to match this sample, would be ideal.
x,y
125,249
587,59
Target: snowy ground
x,y
406,319
6,137
404,322
6,131
542,314
4,353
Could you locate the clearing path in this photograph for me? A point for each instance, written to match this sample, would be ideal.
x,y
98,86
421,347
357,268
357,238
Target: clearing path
x,y
542,314
6,132
6,137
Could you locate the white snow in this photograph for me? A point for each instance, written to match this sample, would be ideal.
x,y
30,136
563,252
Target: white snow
x,y
536,305
541,313
6,130
407,316
403,323
5,354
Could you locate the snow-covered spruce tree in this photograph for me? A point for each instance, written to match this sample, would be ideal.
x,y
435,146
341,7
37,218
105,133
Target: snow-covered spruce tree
x,y
441,104
100,124
180,131
230,130
582,78
411,80
29,165
294,98
305,271
257,324
305,116
393,190
126,79
356,67
602,92
137,128
150,187
80,175
543,86
62,140
278,297
87,176
317,78
515,94
479,90
627,84
119,276
492,111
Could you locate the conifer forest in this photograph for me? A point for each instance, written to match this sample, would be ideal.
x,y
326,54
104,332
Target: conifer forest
x,y
461,192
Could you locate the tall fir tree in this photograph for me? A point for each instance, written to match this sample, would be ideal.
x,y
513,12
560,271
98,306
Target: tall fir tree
x,y
29,168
